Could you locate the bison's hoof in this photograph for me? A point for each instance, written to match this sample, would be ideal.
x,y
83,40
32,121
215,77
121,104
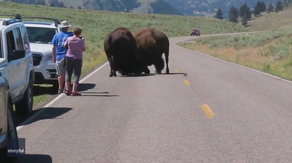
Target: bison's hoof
x,y
158,71
167,71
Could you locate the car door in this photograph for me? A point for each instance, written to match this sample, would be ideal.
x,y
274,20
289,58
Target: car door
x,y
3,111
21,63
10,72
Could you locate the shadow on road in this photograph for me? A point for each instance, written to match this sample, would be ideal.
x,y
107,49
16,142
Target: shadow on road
x,y
85,86
42,90
49,113
132,75
152,74
35,158
185,74
95,92
98,95
50,90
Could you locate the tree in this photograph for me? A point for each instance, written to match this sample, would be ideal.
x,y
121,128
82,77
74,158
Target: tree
x,y
279,6
242,10
236,11
286,3
244,20
263,6
219,14
270,8
61,4
257,9
233,15
52,5
79,7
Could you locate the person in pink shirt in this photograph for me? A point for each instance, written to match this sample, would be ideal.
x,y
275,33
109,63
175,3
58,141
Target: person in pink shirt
x,y
76,47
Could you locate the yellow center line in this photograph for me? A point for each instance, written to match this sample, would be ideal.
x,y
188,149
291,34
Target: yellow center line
x,y
176,70
187,82
209,113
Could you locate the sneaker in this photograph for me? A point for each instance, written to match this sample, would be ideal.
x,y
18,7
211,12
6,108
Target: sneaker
x,y
60,91
75,94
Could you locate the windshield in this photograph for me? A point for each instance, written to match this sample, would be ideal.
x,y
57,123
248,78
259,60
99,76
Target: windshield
x,y
40,35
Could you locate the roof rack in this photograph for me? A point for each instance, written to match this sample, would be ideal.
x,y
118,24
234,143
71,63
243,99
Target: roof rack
x,y
56,21
18,16
16,19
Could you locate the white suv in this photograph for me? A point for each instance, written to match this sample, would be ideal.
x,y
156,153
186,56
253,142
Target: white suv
x,y
16,63
40,35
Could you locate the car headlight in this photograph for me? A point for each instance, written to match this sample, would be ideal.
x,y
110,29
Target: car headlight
x,y
48,57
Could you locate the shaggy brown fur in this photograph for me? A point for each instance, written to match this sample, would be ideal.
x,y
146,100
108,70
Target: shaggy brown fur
x,y
121,50
151,44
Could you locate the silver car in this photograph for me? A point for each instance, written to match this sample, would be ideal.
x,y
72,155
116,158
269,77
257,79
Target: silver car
x,y
7,127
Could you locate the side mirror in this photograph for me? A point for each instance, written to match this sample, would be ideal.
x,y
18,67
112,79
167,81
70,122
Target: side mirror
x,y
16,54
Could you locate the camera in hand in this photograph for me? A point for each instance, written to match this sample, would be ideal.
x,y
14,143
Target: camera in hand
x,y
81,37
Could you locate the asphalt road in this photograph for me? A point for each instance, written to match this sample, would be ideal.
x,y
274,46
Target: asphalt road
x,y
206,111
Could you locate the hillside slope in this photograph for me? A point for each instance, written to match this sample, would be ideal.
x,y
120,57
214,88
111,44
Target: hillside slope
x,y
179,7
202,7
138,6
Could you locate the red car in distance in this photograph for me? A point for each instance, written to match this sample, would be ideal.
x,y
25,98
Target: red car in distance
x,y
195,32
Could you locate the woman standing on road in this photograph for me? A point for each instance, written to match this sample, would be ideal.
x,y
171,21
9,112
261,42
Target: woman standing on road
x,y
76,47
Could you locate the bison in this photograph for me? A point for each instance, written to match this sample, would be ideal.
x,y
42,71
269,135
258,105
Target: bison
x,y
121,51
151,44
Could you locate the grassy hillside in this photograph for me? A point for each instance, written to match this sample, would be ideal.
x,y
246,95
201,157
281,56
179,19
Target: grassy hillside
x,y
186,7
269,52
97,24
137,6
268,21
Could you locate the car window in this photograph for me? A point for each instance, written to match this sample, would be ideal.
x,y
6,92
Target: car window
x,y
1,52
11,46
18,39
25,38
40,35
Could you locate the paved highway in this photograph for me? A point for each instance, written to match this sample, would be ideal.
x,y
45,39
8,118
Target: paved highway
x,y
206,111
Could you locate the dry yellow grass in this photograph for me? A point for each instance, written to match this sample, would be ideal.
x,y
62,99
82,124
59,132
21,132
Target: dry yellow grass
x,y
249,57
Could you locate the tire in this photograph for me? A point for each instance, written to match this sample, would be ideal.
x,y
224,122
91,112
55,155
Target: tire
x,y
25,105
12,133
56,85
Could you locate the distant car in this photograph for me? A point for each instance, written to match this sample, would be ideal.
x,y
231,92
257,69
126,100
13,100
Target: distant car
x,y
195,32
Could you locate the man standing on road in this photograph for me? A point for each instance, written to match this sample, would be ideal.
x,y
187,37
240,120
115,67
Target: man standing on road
x,y
59,52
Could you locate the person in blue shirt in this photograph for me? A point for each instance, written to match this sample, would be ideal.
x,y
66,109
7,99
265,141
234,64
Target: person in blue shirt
x,y
59,52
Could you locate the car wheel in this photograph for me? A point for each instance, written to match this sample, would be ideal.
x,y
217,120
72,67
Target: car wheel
x,y
55,86
25,106
12,133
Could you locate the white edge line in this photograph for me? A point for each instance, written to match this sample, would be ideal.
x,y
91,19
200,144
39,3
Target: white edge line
x,y
40,111
273,76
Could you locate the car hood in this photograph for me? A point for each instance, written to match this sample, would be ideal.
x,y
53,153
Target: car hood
x,y
42,48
